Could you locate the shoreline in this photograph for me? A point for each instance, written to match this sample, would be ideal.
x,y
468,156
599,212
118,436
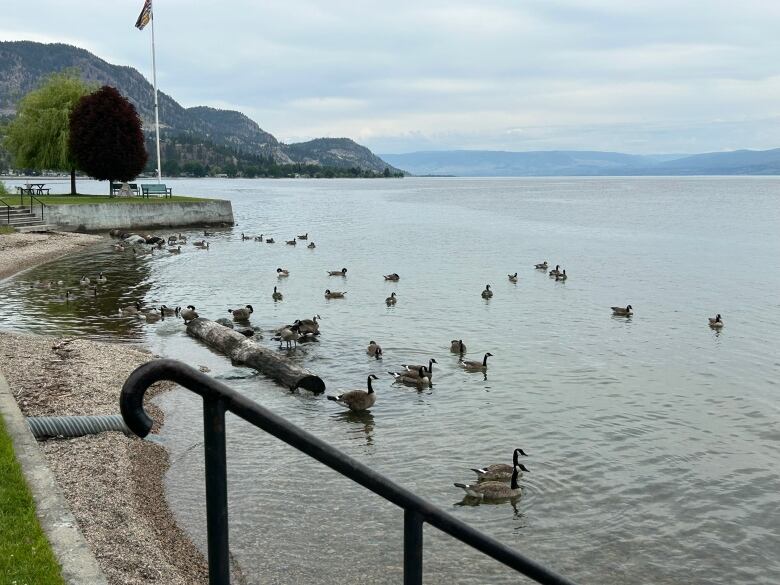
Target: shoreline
x,y
113,484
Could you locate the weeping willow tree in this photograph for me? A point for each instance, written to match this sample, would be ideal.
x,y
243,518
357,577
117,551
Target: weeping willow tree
x,y
38,137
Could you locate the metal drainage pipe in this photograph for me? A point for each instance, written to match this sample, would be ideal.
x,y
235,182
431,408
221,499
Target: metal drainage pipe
x,y
44,427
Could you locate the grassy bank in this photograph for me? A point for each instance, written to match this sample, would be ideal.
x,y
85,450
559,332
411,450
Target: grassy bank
x,y
25,555
87,199
4,229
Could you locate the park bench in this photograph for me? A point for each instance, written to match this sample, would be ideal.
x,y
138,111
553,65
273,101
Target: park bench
x,y
117,187
157,189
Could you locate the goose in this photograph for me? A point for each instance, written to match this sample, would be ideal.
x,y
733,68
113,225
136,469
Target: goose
x,y
101,279
487,293
277,296
291,242
334,294
281,272
716,322
289,335
499,471
561,275
269,241
457,346
374,349
152,314
172,240
259,238
169,311
555,270
241,314
84,281
188,313
512,277
304,236
119,247
542,266
130,309
391,300
623,312
182,239
394,277
495,490
357,400
207,233
310,326
342,272
414,369
245,237
411,378
200,244
176,250
476,365
311,246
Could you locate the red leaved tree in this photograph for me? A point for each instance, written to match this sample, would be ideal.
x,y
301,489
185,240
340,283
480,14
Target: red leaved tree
x,y
106,139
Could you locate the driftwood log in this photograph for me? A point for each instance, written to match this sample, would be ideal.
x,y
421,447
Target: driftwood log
x,y
245,351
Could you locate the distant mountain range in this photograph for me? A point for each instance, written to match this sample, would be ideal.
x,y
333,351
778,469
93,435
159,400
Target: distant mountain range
x,y
487,163
200,134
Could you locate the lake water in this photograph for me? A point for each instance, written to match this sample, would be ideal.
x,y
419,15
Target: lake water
x,y
653,441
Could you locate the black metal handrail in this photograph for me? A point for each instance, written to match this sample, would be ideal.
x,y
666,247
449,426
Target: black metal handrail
x,y
219,398
7,211
43,205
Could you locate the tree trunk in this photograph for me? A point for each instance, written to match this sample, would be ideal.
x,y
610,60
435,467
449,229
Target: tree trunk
x,y
72,181
245,351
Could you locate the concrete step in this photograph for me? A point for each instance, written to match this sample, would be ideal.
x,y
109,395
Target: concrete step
x,y
26,221
36,228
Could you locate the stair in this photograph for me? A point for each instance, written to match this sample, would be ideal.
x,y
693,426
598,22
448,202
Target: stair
x,y
20,218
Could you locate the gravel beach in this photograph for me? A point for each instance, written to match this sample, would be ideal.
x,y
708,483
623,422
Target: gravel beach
x,y
24,250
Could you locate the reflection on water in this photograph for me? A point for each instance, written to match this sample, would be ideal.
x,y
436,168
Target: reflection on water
x,y
653,440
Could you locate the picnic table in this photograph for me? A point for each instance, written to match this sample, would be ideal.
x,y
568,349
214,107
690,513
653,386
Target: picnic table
x,y
33,189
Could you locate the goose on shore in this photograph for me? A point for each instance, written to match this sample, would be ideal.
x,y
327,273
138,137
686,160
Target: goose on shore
x,y
130,309
476,365
329,294
281,272
542,266
242,313
277,296
512,277
304,236
357,400
626,311
188,313
716,322
101,279
457,346
391,300
420,378
414,369
342,272
311,246
487,293
374,349
495,490
394,277
499,471
555,270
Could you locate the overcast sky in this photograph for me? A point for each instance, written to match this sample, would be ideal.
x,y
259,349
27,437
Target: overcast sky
x,y
639,76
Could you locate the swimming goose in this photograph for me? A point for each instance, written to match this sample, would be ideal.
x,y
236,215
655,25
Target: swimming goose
x,y
207,233
512,277
269,241
130,309
357,400
245,237
310,326
277,296
495,490
291,242
169,311
259,238
457,346
414,369
289,335
84,281
152,314
394,277
101,279
182,239
499,471
241,314
410,378
311,246
200,244
561,275
304,236
542,266
555,270
281,272
391,300
716,322
172,240
476,365
188,313
623,312
374,349
342,272
487,293
176,250
334,294
119,247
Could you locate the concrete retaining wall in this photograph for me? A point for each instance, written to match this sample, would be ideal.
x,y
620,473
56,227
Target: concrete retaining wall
x,y
106,216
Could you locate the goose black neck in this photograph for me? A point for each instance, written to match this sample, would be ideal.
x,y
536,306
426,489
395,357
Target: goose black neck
x,y
484,360
514,459
370,387
514,485
430,365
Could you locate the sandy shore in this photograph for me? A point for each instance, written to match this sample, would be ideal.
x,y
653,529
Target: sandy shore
x,y
24,250
113,484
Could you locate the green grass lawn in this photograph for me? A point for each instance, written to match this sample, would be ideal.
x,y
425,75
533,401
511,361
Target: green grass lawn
x,y
25,555
4,229
85,199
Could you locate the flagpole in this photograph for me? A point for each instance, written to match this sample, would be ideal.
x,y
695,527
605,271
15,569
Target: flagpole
x,y
156,105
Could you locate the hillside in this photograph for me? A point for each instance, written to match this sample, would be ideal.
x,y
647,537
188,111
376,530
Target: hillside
x,y
200,134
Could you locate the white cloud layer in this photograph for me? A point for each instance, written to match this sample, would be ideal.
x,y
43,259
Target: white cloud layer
x,y
640,76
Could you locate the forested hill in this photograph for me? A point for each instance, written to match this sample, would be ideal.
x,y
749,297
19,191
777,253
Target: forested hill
x,y
199,136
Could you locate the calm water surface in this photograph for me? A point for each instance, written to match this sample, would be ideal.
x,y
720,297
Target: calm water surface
x,y
653,441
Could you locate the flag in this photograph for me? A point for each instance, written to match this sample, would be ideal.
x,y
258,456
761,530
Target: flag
x,y
145,16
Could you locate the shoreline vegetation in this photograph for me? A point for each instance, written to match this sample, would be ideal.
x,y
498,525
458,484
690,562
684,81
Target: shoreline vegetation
x,y
114,485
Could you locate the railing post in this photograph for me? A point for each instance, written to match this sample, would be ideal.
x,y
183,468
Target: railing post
x,y
216,491
413,547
